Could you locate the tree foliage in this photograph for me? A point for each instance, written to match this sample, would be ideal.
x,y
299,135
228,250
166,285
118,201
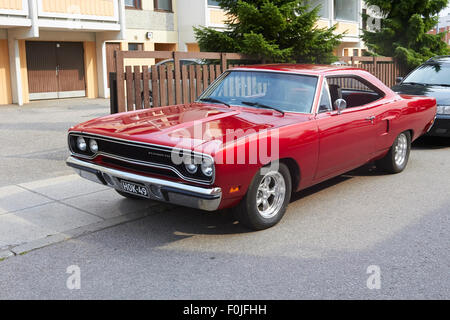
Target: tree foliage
x,y
403,33
273,30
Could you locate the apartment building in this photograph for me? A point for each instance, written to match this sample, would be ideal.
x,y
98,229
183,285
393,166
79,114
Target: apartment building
x,y
195,13
52,49
443,26
345,13
64,48
347,16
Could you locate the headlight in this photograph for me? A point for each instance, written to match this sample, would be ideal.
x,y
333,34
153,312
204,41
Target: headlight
x,y
81,144
207,167
191,168
443,109
93,146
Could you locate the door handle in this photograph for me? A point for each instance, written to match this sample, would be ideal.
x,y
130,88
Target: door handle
x,y
371,119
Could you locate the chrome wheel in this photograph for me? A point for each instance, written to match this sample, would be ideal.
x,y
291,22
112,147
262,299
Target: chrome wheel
x,y
271,194
401,150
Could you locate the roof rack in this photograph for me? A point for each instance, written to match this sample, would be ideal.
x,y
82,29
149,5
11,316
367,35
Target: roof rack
x,y
438,57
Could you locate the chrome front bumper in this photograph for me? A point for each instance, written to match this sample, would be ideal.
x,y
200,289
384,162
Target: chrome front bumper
x,y
161,190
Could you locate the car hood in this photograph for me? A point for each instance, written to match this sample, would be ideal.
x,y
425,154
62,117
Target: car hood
x,y
441,94
191,126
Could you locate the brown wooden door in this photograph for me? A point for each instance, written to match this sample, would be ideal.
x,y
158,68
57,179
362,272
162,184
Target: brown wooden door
x,y
42,70
70,60
110,59
55,69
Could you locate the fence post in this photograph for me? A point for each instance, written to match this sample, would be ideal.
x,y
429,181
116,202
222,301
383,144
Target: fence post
x,y
375,66
176,62
120,80
223,60
113,92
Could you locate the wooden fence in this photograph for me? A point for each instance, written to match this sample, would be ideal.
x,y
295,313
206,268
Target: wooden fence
x,y
384,68
140,86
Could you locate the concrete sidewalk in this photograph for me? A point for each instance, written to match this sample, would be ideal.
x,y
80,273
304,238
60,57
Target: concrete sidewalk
x,y
36,214
42,201
33,138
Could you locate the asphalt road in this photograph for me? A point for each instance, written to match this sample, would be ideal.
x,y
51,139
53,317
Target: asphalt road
x,y
322,248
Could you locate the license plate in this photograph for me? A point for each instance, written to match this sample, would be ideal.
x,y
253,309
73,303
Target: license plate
x,y
135,188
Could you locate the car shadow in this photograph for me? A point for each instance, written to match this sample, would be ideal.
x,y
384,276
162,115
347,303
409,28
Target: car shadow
x,y
319,187
175,222
188,221
431,143
181,222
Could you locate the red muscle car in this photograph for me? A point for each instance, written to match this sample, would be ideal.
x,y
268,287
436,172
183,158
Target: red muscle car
x,y
254,137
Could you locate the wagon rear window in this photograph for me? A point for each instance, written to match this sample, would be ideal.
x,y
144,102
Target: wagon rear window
x,y
430,74
287,92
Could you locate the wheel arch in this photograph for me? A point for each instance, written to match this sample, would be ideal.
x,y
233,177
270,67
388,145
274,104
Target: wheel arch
x,y
411,133
294,170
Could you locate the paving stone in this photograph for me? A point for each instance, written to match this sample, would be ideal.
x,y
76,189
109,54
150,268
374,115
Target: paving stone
x,y
108,204
64,187
14,198
39,222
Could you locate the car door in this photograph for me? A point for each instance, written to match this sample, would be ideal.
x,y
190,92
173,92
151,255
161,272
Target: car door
x,y
346,138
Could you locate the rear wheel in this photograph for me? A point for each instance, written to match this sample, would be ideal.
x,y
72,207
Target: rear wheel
x,y
397,158
266,200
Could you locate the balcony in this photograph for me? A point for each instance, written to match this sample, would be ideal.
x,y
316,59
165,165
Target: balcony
x,y
79,14
14,13
87,15
215,17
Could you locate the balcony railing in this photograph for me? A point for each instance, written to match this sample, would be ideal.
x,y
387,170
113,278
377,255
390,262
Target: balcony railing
x,y
103,10
216,17
65,14
14,7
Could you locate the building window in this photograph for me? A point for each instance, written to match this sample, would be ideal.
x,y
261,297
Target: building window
x,y
213,3
163,5
364,19
324,7
133,4
135,47
346,10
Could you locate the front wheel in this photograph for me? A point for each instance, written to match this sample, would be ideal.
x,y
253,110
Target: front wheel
x,y
397,158
267,198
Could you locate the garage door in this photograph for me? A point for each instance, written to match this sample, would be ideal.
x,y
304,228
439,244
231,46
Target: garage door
x,y
55,70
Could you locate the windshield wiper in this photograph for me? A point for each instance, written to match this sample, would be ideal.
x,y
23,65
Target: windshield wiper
x,y
257,104
216,101
415,83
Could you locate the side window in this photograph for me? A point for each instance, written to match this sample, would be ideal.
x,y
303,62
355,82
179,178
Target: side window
x,y
325,100
354,90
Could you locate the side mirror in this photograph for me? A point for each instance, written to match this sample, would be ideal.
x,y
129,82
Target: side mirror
x,y
398,80
339,105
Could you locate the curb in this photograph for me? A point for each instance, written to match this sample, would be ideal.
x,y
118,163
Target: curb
x,y
81,231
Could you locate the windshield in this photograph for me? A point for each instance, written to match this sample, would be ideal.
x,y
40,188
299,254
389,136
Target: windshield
x,y
267,90
431,74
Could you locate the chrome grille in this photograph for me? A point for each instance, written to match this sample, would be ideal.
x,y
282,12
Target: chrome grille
x,y
139,157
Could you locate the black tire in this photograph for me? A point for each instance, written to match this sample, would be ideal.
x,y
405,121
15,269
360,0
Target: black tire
x,y
129,195
247,211
389,163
